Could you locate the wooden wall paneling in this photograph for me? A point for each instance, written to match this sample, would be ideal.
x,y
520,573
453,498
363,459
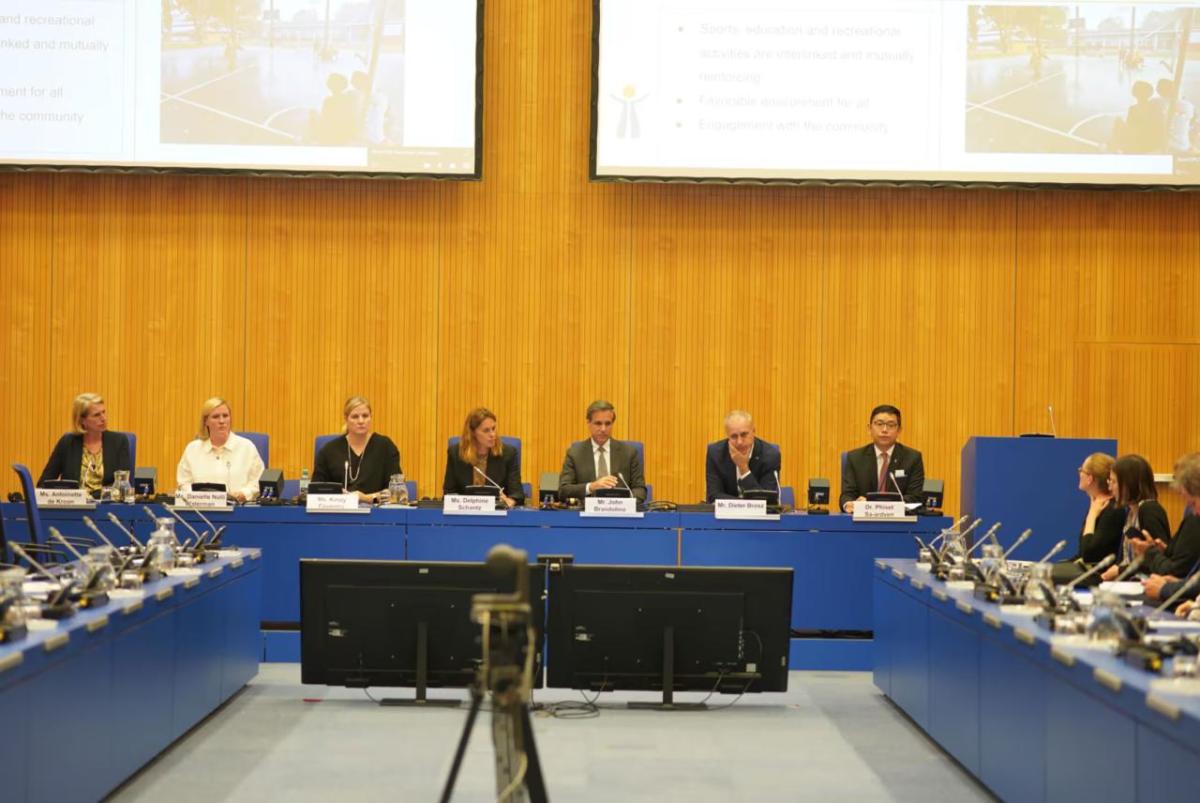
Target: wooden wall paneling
x,y
919,288
150,303
26,249
342,279
726,314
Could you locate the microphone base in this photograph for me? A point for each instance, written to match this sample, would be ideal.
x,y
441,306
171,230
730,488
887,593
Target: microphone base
x,y
1148,659
64,610
818,510
998,596
96,600
11,634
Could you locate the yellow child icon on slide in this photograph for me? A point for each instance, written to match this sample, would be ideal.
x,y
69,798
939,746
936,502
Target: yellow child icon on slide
x,y
628,124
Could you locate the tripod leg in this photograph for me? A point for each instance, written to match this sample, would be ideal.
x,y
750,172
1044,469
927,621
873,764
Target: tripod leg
x,y
533,773
460,751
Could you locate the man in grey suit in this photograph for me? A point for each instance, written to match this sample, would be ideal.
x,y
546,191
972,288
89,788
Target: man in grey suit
x,y
595,464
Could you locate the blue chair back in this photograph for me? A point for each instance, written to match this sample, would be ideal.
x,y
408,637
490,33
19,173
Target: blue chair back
x,y
129,436
33,516
641,450
262,442
320,441
787,495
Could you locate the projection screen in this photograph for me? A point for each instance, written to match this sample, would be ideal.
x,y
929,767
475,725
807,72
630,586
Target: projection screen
x,y
326,86
1088,93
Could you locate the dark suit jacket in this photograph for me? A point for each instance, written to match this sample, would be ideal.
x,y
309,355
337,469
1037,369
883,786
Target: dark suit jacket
x,y
579,468
68,455
720,474
1181,555
860,474
504,470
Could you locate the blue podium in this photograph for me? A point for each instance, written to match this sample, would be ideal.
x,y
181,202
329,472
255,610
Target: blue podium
x,y
1029,482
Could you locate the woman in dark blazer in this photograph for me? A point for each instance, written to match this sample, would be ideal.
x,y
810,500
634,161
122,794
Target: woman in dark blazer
x,y
1101,532
481,452
89,453
1132,484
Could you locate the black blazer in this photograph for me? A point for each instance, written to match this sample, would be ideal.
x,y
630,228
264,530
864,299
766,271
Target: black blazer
x,y
1182,552
1105,540
720,474
68,455
860,475
504,470
380,460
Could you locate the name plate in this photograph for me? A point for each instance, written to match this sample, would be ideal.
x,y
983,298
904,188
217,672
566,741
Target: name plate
x,y
332,503
743,509
64,497
465,505
611,507
205,500
881,511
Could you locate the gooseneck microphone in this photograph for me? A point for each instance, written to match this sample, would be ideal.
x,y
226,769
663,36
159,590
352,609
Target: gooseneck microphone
x,y
178,518
1054,550
91,525
57,536
949,530
488,479
1022,538
214,536
21,553
621,477
128,533
1101,566
1132,568
1053,429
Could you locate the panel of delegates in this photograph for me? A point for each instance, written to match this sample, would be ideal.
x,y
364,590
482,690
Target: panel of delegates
x,y
361,459
741,462
601,462
89,453
220,455
883,464
480,453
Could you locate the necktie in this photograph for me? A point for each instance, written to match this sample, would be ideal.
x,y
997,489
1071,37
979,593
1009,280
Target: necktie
x,y
601,465
883,470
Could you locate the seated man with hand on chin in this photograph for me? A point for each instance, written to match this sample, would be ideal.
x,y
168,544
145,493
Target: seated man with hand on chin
x,y
741,462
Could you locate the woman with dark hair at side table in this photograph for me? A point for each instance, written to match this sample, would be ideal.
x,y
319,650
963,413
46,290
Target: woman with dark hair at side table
x,y
480,456
1132,483
89,453
1169,565
1101,533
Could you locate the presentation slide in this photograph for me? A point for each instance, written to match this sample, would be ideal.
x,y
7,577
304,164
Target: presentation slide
x,y
374,86
941,90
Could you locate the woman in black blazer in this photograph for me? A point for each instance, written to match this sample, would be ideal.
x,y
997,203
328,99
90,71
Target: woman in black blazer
x,y
481,452
1132,483
89,453
1101,532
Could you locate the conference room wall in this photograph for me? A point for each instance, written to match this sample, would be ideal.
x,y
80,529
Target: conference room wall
x,y
534,292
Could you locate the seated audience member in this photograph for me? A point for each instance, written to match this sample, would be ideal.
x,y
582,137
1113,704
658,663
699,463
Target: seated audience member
x,y
884,465
740,462
1132,484
1170,564
480,453
1102,526
89,453
219,455
601,462
362,460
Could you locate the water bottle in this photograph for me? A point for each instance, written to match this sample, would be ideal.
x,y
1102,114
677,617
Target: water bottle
x,y
304,482
163,545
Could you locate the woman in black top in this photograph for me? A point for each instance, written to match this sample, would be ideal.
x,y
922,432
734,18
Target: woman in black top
x,y
362,460
89,453
1132,483
479,453
1101,533
1170,563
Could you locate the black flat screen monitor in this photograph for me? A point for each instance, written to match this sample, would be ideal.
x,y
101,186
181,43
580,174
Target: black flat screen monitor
x,y
612,493
320,488
884,496
609,628
60,485
370,622
208,486
770,497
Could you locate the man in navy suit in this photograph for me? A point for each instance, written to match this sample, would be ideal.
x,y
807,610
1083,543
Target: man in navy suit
x,y
740,462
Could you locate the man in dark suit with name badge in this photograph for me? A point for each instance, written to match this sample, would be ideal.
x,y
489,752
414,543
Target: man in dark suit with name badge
x,y
884,465
741,462
600,462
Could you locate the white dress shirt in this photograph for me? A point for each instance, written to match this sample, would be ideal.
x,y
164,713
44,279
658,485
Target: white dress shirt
x,y
236,464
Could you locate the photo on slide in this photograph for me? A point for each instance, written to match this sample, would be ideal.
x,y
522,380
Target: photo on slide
x,y
283,72
1084,79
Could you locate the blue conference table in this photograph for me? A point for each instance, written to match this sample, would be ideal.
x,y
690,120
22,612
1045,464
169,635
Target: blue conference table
x,y
1032,715
830,554
89,700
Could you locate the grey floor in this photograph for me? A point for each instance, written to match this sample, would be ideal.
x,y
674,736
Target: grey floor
x,y
831,736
